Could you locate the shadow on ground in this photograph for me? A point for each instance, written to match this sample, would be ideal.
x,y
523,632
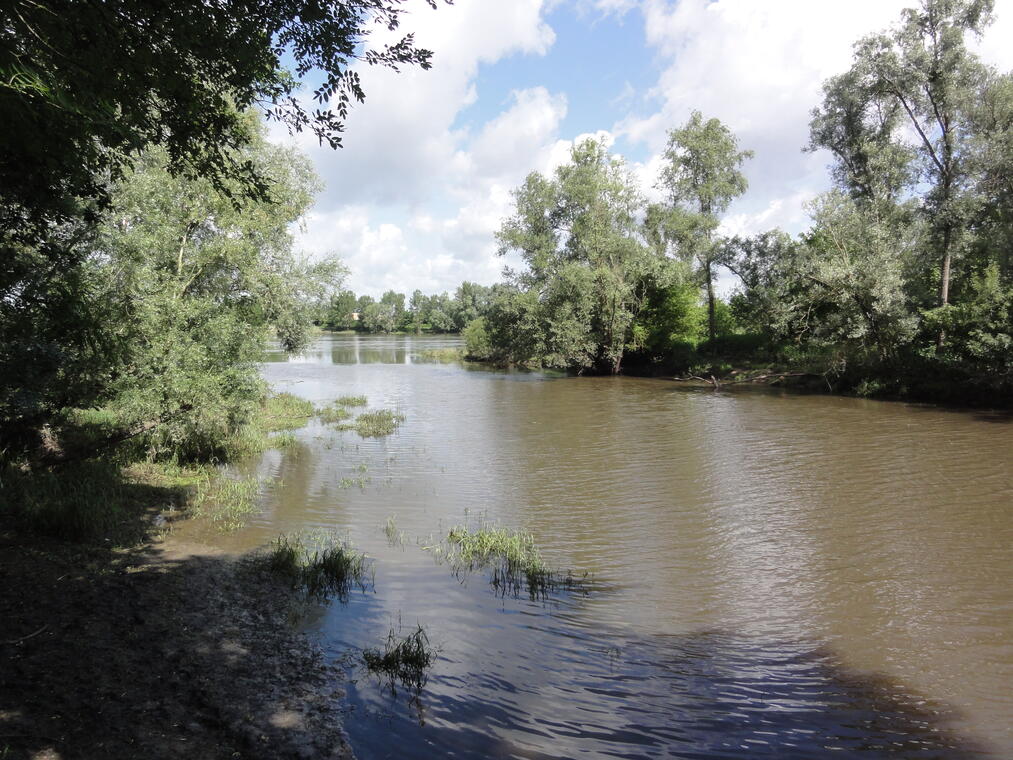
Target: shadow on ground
x,y
151,652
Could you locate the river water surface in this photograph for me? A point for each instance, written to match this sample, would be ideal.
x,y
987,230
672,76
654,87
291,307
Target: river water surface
x,y
773,575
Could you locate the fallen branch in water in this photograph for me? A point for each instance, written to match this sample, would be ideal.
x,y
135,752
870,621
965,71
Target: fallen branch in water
x,y
25,638
774,376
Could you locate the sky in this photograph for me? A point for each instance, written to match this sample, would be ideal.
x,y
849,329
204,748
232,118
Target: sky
x,y
424,180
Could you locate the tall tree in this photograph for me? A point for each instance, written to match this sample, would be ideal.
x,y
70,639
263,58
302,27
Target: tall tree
x,y
919,79
702,174
586,264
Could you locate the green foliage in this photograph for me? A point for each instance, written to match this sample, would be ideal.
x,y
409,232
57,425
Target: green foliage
x,y
476,340
701,177
587,267
191,282
87,87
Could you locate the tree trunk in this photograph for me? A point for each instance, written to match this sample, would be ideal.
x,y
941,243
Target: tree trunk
x,y
944,286
711,328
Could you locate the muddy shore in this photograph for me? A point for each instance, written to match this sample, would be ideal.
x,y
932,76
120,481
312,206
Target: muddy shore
x,y
163,650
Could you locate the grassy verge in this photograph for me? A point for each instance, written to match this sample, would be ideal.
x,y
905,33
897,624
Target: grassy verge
x,y
119,498
319,564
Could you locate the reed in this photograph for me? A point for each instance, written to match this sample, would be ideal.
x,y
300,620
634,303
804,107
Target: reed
x,y
321,565
406,659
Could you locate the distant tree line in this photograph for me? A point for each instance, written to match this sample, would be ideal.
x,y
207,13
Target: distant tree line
x,y
903,284
439,313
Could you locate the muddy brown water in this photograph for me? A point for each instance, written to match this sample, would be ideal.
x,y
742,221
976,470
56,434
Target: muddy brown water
x,y
775,575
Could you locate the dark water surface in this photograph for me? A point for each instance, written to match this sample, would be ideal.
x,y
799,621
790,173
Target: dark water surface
x,y
774,575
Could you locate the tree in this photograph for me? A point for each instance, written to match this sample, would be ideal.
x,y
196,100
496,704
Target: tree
x,y
587,267
87,86
378,317
417,307
921,79
339,314
701,174
192,284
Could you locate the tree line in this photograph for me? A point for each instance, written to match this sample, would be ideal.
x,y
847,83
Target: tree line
x,y
439,313
903,283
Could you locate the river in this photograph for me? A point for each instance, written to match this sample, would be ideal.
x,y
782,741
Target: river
x,y
773,575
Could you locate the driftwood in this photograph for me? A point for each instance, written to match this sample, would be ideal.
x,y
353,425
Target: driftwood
x,y
774,376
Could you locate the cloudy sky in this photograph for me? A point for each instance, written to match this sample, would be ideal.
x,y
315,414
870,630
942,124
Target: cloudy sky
x,y
415,196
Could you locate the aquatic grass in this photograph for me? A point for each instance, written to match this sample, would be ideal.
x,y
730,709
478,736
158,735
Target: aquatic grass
x,y
377,423
319,564
285,411
283,440
333,414
405,659
512,557
350,401
395,536
225,502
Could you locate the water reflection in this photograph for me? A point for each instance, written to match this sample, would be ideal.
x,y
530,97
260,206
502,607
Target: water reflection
x,y
780,575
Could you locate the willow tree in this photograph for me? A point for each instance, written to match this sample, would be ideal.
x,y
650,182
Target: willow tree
x,y
586,266
702,176
899,121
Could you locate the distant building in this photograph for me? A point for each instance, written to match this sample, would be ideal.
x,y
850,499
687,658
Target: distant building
x,y
355,316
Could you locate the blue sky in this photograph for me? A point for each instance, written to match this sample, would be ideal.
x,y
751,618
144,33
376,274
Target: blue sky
x,y
414,198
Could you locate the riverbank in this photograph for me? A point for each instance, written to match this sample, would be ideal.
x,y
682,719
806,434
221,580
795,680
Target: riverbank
x,y
161,650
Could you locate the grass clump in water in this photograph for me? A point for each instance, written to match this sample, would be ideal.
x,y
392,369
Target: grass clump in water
x,y
511,556
395,536
350,401
226,503
320,565
376,424
333,414
286,411
406,659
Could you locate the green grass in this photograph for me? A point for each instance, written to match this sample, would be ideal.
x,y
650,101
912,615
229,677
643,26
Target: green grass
x,y
285,411
333,414
319,564
225,503
406,659
375,424
395,536
350,401
512,557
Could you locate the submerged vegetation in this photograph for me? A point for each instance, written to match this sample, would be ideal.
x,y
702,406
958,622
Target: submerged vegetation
x,y
320,564
405,659
350,401
375,424
224,502
512,557
333,414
